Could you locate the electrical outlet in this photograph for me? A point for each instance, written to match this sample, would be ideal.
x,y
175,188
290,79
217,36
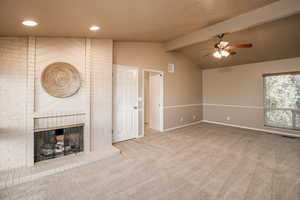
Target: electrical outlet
x,y
181,119
228,118
194,117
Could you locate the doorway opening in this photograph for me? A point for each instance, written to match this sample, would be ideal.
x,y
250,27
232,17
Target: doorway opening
x,y
138,97
152,101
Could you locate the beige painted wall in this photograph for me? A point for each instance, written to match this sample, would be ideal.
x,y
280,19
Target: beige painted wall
x,y
237,92
181,88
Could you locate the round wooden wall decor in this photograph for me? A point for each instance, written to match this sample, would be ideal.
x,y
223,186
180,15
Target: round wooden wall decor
x,y
60,80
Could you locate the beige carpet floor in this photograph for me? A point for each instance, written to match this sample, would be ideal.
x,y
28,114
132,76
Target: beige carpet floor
x,y
201,162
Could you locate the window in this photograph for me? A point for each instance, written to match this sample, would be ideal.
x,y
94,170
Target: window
x,y
282,100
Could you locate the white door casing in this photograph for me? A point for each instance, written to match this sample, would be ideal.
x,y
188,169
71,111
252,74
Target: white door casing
x,y
125,103
155,101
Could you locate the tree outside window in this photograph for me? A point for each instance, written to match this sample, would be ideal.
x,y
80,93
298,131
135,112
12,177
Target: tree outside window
x,y
282,100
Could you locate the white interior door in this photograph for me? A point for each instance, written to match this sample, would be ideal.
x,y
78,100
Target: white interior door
x,y
155,101
125,103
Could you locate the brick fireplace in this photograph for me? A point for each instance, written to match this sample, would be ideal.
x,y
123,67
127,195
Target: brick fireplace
x,y
35,112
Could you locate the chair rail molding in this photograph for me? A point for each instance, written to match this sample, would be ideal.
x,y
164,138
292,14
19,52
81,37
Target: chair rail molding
x,y
181,106
237,106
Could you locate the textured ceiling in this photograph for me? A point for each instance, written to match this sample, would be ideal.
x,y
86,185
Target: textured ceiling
x,y
275,40
131,20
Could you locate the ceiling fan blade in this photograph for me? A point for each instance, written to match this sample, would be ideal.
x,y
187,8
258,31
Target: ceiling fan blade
x,y
239,46
209,54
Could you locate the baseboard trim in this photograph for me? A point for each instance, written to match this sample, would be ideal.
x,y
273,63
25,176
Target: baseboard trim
x,y
251,128
182,126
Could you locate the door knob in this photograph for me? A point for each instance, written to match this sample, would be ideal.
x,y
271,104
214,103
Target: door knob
x,y
135,107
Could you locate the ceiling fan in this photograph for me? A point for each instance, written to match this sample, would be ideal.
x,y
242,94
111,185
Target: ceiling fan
x,y
223,49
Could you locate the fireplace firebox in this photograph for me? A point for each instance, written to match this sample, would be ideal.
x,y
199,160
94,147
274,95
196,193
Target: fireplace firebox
x,y
57,142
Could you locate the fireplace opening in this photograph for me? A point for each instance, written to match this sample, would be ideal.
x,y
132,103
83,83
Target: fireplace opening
x,y
53,143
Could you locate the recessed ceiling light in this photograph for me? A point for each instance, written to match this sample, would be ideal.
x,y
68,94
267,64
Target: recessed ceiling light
x,y
94,28
29,23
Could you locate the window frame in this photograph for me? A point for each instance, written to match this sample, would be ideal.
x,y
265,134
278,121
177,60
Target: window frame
x,y
294,128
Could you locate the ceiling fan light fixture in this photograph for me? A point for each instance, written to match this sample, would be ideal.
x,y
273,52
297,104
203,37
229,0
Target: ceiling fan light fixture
x,y
223,44
225,49
217,54
224,53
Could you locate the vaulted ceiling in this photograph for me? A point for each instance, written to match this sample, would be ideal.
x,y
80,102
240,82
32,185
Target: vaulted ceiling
x,y
130,20
160,21
271,41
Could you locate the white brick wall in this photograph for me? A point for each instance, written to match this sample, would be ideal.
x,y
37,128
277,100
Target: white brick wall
x,y
101,93
13,53
24,105
59,120
50,50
